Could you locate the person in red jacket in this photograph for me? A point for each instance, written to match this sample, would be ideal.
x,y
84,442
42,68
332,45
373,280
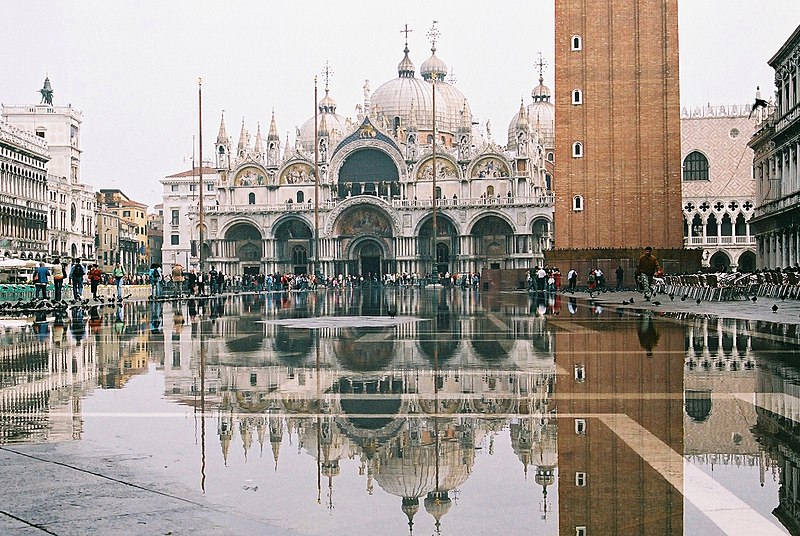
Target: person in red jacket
x,y
95,276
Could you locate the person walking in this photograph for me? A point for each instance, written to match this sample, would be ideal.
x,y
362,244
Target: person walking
x,y
177,279
645,270
572,279
541,279
40,279
620,273
119,278
76,273
59,271
95,277
156,276
212,278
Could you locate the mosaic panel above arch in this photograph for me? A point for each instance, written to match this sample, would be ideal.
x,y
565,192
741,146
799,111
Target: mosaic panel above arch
x,y
299,173
362,220
490,167
445,169
250,176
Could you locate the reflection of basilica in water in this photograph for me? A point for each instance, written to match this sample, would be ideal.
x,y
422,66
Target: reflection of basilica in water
x,y
413,407
414,402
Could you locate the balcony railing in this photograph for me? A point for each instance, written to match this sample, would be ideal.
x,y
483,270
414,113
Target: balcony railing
x,y
407,204
788,118
719,240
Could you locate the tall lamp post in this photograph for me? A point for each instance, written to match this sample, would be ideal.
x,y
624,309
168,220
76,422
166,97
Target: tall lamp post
x,y
200,179
316,183
433,35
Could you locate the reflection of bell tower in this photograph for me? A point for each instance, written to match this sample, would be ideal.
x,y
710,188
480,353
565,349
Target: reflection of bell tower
x,y
604,405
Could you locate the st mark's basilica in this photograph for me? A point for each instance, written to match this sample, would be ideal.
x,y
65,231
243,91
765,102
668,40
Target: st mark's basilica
x,y
494,201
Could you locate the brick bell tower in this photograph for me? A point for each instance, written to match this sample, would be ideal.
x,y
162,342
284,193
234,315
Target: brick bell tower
x,y
618,154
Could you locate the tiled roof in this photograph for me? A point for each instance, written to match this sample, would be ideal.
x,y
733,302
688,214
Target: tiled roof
x,y
192,172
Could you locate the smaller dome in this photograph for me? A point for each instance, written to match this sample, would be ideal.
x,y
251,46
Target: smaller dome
x,y
433,66
327,105
406,68
541,92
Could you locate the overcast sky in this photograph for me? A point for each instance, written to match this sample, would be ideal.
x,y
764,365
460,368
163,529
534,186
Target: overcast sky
x,y
132,67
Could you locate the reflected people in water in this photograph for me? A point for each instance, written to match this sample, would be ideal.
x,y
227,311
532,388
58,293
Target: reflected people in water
x,y
648,335
78,324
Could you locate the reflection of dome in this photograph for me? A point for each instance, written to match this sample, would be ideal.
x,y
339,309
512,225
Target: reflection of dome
x,y
407,470
437,504
397,98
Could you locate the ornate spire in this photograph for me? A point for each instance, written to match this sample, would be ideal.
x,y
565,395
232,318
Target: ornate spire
x,y
273,129
323,126
466,120
412,126
242,147
259,147
222,136
288,150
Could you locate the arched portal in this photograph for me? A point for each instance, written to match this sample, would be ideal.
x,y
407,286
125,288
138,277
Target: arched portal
x,y
247,246
720,261
365,233
370,256
542,235
446,249
293,246
492,241
747,262
369,171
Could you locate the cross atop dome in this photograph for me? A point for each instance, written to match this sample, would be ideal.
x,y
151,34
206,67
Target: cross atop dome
x,y
540,64
433,35
406,30
327,72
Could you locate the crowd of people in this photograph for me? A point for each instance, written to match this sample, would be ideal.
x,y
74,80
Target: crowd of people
x,y
180,282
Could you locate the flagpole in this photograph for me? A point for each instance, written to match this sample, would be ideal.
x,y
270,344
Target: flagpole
x,y
200,137
316,183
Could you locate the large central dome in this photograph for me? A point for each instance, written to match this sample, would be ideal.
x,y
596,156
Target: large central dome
x,y
406,96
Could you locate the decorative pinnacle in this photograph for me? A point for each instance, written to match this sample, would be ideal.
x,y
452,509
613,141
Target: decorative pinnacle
x,y
540,64
406,31
433,35
327,72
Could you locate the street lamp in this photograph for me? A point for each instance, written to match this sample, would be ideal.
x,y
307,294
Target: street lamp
x,y
433,35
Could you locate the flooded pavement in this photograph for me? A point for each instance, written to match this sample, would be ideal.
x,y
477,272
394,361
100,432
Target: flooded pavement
x,y
397,411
